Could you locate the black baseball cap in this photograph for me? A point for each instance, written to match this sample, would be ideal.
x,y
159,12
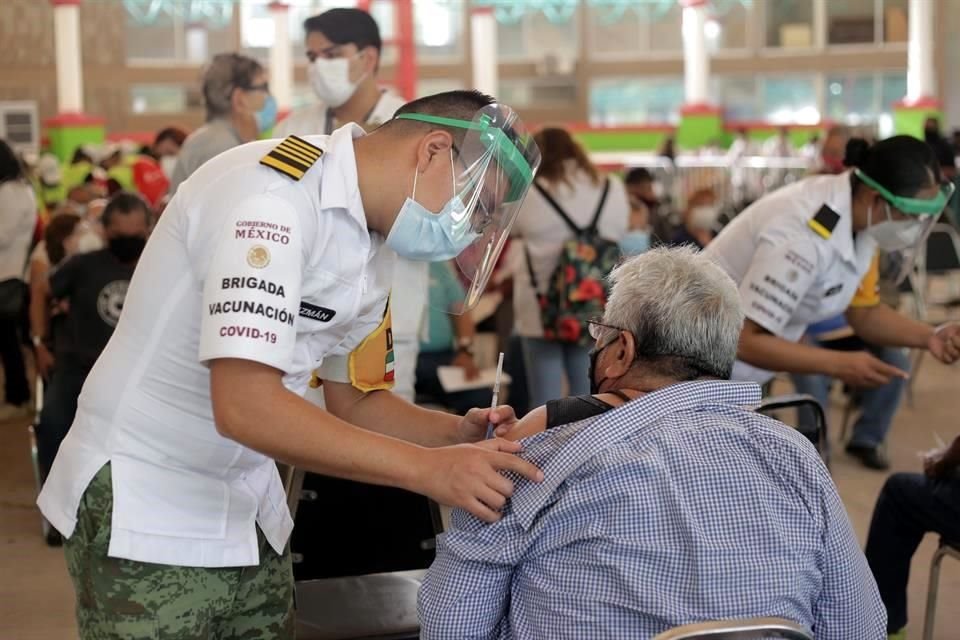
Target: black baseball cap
x,y
346,26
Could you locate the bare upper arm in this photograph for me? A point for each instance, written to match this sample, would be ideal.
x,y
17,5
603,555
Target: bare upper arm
x,y
531,424
751,328
235,383
340,398
857,315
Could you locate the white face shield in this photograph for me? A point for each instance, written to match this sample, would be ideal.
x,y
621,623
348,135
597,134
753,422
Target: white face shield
x,y
493,169
907,235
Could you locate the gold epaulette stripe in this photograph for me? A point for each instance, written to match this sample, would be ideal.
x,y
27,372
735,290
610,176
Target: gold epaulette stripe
x,y
820,230
295,152
303,145
293,157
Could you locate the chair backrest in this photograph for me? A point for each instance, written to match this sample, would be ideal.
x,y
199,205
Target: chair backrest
x,y
346,529
380,606
795,401
742,629
943,249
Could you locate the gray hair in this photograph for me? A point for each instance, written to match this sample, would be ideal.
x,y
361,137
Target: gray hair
x,y
683,310
226,72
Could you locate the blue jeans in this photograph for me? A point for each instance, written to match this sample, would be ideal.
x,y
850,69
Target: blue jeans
x,y
546,361
878,405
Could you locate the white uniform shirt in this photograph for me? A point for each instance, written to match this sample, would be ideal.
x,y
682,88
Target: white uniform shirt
x,y
789,275
543,234
410,279
245,263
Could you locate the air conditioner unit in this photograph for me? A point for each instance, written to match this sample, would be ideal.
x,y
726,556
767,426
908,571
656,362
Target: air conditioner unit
x,y
553,64
20,126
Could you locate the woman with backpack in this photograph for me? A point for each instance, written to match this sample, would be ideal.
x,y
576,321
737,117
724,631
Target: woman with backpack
x,y
568,227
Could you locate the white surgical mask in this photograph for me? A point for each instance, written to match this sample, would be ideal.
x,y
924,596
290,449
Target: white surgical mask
x,y
894,235
420,234
703,217
167,163
85,240
330,80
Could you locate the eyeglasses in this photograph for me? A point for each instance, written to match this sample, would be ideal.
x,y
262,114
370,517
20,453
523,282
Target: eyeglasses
x,y
596,328
263,86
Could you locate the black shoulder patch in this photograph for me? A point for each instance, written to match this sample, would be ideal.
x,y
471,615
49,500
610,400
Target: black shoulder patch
x,y
293,157
824,222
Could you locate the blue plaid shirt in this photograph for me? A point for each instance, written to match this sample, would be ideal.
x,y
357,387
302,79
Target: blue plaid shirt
x,y
681,506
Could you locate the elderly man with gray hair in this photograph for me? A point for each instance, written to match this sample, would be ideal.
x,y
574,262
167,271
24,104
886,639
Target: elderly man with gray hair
x,y
666,499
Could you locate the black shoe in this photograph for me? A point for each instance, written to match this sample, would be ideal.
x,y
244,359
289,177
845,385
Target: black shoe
x,y
53,538
870,457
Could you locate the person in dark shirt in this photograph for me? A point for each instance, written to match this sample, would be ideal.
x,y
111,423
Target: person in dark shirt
x,y
92,287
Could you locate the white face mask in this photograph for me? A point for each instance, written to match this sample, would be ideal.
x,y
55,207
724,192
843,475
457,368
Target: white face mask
x,y
167,163
84,240
330,80
894,235
703,217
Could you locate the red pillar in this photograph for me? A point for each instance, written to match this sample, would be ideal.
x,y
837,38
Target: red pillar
x,y
406,77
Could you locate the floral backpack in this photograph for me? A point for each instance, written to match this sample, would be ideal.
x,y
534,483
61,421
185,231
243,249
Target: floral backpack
x,y
577,290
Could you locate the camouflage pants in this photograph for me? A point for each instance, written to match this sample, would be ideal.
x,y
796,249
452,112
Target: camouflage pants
x,y
125,600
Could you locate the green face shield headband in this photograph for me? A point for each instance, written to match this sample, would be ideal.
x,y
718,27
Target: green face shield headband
x,y
514,162
910,206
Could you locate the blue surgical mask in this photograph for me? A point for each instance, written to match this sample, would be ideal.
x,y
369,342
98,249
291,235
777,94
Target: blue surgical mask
x,y
420,234
267,116
635,242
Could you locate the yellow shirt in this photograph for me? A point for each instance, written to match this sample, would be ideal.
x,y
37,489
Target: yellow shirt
x,y
868,293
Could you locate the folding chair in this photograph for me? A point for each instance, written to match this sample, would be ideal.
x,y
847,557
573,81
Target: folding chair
x,y
373,607
946,549
360,553
819,437
744,629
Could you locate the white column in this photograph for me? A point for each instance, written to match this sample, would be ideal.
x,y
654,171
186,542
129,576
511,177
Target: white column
x,y
281,57
696,57
66,38
483,50
921,80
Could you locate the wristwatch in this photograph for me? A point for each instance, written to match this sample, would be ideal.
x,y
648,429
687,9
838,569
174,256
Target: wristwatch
x,y
37,341
465,345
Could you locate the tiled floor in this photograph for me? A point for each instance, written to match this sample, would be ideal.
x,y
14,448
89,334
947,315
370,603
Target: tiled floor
x,y
36,600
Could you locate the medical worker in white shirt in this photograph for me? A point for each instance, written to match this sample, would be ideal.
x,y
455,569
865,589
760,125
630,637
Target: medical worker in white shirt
x,y
809,251
343,48
273,261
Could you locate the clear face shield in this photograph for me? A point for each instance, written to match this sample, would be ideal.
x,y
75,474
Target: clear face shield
x,y
493,167
904,237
